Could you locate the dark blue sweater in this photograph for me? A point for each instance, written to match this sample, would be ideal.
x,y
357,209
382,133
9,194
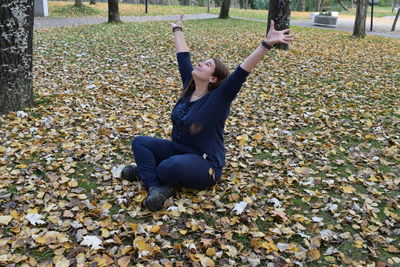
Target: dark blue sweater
x,y
198,126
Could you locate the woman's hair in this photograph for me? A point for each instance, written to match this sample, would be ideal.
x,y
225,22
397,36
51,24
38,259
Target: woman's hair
x,y
221,72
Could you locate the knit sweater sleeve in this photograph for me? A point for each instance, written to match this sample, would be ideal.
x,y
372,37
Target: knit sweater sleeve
x,y
185,67
228,90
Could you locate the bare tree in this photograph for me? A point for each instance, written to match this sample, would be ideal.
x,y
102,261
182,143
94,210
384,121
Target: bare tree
x,y
279,12
395,20
224,11
16,34
113,11
302,5
361,18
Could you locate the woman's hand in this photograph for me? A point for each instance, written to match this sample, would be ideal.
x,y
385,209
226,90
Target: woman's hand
x,y
179,23
275,37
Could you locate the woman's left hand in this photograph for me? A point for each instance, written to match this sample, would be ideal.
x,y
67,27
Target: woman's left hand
x,y
275,37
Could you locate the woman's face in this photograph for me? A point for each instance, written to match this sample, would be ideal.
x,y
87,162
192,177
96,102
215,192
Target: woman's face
x,y
204,70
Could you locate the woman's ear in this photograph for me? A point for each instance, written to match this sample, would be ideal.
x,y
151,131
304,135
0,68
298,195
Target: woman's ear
x,y
213,79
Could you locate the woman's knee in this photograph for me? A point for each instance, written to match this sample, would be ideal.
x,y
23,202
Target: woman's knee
x,y
140,140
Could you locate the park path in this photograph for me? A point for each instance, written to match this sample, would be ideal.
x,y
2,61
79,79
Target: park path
x,y
381,25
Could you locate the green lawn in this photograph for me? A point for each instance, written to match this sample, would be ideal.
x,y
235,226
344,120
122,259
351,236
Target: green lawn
x,y
66,9
379,11
312,147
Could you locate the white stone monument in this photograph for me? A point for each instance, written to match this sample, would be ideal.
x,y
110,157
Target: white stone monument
x,y
40,8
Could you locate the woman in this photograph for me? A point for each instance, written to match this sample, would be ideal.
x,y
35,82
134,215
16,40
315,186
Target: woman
x,y
196,155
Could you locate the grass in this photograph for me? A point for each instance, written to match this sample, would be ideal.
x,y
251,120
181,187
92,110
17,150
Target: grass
x,y
379,11
136,83
66,9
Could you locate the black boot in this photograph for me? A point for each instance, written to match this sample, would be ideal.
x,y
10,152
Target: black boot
x,y
156,197
130,173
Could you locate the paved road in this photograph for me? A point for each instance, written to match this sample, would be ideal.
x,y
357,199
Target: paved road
x,y
381,26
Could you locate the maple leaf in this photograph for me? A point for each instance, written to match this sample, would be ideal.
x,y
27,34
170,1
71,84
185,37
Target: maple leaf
x,y
92,241
239,207
35,218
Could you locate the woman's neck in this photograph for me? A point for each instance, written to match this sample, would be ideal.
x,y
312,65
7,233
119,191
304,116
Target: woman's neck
x,y
201,88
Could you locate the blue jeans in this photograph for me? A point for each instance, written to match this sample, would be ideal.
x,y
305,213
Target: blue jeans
x,y
159,163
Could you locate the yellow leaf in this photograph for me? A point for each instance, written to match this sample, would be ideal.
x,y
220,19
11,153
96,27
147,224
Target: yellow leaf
x,y
393,249
73,183
315,254
124,261
107,206
210,252
41,240
206,262
155,229
348,189
5,219
21,166
269,246
105,233
3,149
370,136
257,136
344,258
61,261
133,226
183,232
358,244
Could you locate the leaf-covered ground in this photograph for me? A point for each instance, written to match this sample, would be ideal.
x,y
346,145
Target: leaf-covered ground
x,y
313,152
67,9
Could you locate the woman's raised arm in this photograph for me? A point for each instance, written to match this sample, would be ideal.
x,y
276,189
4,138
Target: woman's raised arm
x,y
179,37
273,37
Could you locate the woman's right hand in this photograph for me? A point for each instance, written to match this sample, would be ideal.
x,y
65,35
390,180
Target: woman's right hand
x,y
179,23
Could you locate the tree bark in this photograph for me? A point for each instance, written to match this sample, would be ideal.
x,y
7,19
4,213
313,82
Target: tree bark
x,y
395,20
361,18
224,11
92,2
279,12
16,28
113,11
302,5
78,3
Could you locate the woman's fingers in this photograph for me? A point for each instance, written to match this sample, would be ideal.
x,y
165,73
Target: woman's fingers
x,y
272,24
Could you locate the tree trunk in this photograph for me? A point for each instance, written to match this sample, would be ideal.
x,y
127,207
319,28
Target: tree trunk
x,y
361,18
224,11
318,4
341,4
79,3
351,4
395,20
113,11
279,12
321,3
302,5
92,2
16,28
